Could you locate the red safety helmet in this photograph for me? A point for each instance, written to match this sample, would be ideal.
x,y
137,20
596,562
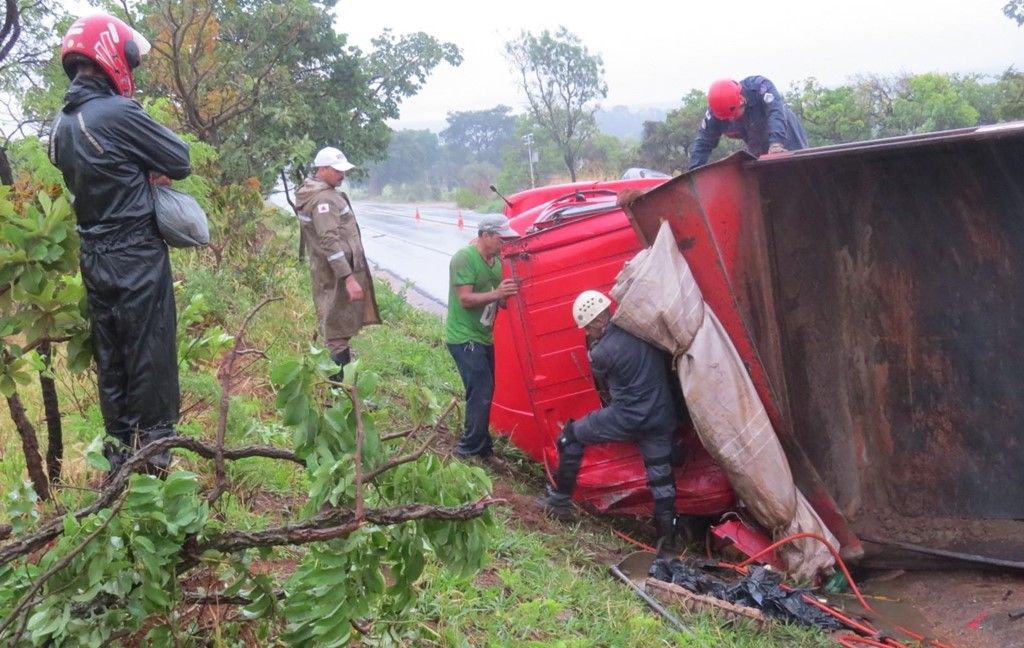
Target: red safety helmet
x,y
108,42
725,99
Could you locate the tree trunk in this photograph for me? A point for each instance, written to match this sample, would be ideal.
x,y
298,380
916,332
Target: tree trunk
x,y
30,446
570,163
51,405
6,173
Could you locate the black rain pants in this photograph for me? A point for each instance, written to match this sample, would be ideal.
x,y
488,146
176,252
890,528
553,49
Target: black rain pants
x,y
131,310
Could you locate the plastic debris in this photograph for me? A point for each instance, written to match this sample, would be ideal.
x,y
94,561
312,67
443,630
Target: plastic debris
x,y
761,588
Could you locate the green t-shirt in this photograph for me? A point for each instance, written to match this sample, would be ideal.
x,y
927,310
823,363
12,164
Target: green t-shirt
x,y
471,324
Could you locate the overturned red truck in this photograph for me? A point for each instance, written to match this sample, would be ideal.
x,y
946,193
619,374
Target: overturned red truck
x,y
875,293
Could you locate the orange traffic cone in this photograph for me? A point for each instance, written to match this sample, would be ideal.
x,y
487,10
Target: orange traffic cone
x,y
461,222
417,213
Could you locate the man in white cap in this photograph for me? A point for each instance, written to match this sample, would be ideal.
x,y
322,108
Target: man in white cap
x,y
340,277
475,292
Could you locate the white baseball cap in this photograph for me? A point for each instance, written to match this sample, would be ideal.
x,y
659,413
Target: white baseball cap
x,y
332,157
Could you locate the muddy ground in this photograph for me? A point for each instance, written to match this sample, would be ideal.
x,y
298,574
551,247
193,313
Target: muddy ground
x,y
964,608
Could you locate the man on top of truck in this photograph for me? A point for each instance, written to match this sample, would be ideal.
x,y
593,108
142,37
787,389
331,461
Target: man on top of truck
x,y
752,110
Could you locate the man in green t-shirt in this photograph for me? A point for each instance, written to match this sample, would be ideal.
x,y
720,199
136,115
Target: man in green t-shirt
x,y
475,291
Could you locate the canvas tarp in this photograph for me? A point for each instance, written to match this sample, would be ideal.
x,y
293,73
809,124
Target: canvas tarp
x,y
659,301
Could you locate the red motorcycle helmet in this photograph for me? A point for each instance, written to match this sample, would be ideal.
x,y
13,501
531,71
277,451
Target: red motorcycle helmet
x,y
725,99
109,43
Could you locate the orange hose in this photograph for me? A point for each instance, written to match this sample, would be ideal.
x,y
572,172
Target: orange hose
x,y
856,625
635,543
853,641
835,555
860,627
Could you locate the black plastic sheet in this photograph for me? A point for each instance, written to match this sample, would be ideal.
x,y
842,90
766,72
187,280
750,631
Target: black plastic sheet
x,y
761,588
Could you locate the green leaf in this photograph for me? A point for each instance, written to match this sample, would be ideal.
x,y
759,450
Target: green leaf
x,y
94,456
297,410
285,372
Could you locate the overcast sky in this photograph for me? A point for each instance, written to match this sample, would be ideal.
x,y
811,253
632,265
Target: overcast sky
x,y
655,51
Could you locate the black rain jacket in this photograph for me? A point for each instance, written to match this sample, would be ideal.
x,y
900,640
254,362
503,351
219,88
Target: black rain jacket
x,y
105,145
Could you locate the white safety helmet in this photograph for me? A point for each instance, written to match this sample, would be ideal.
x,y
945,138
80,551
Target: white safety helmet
x,y
588,305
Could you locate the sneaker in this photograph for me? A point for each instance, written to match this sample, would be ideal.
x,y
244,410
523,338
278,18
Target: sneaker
x,y
557,507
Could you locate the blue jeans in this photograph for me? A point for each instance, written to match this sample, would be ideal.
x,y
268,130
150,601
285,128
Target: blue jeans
x,y
476,367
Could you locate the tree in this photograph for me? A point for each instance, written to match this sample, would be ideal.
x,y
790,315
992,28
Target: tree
x,y
831,115
28,38
1014,10
411,157
932,102
480,133
267,82
1009,96
560,79
605,157
666,145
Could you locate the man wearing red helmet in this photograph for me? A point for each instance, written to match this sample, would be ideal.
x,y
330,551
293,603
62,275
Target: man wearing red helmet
x,y
108,149
752,110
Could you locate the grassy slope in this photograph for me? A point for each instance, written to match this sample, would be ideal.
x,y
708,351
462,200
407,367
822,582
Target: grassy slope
x,y
547,582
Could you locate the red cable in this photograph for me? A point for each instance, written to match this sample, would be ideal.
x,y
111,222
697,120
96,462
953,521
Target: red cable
x,y
853,641
860,627
635,543
835,555
856,625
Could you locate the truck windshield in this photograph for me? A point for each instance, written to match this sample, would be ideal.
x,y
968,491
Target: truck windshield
x,y
572,206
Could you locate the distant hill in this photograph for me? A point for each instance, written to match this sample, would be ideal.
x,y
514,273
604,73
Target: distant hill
x,y
624,122
627,123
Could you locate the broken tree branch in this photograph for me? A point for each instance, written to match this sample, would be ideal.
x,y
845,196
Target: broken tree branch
x,y
227,370
24,604
119,481
334,524
29,446
377,472
357,409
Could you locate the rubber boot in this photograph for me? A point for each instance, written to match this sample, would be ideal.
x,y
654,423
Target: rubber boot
x,y
665,524
341,358
115,454
159,465
558,503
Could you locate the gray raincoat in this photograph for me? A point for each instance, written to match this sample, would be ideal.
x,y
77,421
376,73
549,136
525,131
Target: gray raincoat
x,y
329,226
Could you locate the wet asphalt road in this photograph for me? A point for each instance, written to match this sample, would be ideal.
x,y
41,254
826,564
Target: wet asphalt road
x,y
415,250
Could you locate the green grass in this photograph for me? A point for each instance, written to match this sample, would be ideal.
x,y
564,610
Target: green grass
x,y
546,584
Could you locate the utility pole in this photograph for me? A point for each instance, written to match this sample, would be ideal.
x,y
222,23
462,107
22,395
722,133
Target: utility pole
x,y
528,140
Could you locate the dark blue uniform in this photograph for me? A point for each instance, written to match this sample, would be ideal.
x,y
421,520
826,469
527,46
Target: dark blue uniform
x,y
766,120
642,409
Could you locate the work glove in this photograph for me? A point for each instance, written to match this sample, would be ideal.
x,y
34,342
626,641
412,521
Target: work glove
x,y
567,436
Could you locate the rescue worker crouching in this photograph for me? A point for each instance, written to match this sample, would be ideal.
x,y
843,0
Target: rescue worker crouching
x,y
339,274
641,410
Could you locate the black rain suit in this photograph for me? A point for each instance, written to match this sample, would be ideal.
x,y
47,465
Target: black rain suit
x,y
105,145
766,120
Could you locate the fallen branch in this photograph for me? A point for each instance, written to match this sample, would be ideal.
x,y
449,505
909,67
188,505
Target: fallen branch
x,y
29,446
357,409
227,369
119,481
399,435
334,524
24,603
377,472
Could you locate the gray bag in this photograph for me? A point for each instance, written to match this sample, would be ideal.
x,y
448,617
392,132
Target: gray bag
x,y
182,222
